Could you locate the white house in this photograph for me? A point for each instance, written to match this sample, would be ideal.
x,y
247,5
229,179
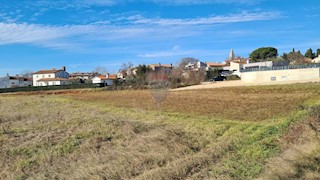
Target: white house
x,y
316,60
106,80
14,81
83,75
197,66
236,67
54,77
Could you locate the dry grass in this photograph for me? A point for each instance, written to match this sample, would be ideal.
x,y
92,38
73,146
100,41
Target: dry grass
x,y
129,135
239,103
52,138
301,158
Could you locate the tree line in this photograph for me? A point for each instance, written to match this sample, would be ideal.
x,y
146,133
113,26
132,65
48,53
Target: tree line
x,y
293,57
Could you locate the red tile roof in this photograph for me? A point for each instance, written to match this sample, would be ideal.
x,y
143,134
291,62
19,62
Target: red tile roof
x,y
48,71
212,64
107,78
161,65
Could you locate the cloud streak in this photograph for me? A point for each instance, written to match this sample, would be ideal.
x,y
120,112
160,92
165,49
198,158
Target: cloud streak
x,y
131,29
243,17
104,3
201,2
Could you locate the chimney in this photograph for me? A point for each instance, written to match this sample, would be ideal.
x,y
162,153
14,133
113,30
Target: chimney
x,y
159,64
63,68
171,64
248,61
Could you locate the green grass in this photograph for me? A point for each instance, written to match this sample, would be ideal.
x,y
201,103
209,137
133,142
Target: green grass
x,y
63,136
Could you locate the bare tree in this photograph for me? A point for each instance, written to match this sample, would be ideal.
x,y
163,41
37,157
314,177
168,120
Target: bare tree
x,y
126,66
26,73
184,61
100,70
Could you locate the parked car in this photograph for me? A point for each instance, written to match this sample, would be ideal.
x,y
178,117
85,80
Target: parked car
x,y
218,78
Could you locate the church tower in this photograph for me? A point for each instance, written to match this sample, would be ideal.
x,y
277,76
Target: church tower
x,y
231,55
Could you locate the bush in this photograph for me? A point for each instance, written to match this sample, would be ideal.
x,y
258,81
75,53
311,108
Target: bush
x,y
47,88
233,77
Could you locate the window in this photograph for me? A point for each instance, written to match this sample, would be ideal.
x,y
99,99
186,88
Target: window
x,y
49,75
273,78
43,76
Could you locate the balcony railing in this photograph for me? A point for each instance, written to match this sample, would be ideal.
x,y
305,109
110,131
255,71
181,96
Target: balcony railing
x,y
264,68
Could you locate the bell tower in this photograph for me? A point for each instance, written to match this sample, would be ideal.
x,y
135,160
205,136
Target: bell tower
x,y
231,55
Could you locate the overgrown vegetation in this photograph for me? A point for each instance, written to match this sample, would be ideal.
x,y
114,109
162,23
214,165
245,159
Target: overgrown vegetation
x,y
227,133
47,88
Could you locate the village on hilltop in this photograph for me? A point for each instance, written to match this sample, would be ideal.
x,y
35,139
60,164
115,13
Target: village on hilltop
x,y
263,65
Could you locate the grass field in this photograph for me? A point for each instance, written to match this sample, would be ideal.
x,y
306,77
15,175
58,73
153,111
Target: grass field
x,y
264,132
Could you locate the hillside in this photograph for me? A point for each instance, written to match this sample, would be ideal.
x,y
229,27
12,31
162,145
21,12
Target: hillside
x,y
225,133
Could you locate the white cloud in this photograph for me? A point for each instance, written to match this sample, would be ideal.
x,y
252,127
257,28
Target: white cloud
x,y
196,2
63,4
133,29
235,18
182,53
164,54
42,35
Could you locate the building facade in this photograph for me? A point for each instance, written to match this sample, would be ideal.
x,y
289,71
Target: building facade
x,y
15,81
285,73
106,80
165,68
54,77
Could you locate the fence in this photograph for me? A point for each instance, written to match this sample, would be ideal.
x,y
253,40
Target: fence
x,y
300,66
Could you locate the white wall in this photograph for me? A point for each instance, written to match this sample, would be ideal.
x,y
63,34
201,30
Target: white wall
x,y
53,83
59,74
37,77
280,75
97,80
5,82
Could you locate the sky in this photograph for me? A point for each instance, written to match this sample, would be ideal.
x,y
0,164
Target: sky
x,y
85,34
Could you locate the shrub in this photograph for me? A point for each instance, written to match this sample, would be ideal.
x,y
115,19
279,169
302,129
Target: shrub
x,y
233,77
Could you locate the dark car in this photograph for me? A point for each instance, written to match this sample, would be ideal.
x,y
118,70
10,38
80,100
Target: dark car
x,y
218,78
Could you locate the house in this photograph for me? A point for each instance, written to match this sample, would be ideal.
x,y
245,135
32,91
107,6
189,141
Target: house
x,y
106,80
214,65
165,68
316,60
237,66
15,81
123,74
197,66
82,76
53,77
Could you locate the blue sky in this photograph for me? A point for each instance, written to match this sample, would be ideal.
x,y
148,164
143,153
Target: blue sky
x,y
84,34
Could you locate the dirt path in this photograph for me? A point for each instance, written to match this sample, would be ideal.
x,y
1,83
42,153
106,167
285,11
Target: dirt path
x,y
219,84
